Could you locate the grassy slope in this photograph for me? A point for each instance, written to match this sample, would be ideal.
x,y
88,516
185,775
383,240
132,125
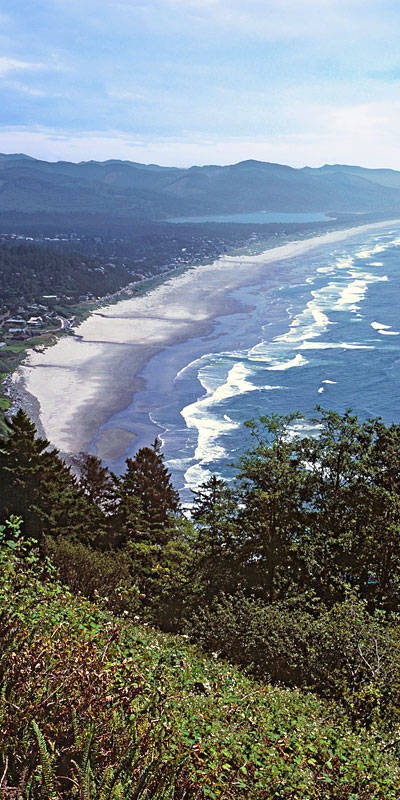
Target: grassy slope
x,y
133,713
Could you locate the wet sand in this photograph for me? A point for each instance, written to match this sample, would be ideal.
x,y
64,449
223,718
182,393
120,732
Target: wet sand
x,y
71,389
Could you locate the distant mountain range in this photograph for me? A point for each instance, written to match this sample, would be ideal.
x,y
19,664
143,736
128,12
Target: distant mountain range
x,y
124,188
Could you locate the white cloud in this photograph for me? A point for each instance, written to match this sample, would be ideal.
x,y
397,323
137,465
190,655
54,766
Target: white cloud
x,y
267,19
8,65
366,136
31,91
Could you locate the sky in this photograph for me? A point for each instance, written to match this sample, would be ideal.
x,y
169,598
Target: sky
x,y
182,82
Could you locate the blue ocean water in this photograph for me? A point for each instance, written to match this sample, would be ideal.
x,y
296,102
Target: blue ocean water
x,y
323,327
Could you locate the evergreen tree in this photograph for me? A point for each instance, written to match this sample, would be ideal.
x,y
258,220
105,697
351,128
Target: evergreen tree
x,y
21,474
217,546
271,510
36,484
148,480
95,480
336,530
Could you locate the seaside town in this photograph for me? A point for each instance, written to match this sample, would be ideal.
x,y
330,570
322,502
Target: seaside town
x,y
127,260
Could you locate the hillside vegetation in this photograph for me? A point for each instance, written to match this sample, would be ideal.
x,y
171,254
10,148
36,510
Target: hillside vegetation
x,y
95,706
293,574
29,272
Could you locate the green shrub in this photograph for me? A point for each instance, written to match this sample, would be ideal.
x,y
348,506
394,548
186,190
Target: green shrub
x,y
94,706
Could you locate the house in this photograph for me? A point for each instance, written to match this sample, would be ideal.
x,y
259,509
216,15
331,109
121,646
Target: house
x,y
16,333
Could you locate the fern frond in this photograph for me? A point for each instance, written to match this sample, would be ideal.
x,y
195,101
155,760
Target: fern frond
x,y
86,750
106,785
148,774
75,728
47,769
123,765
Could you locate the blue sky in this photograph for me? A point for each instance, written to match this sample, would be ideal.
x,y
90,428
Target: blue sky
x,y
182,82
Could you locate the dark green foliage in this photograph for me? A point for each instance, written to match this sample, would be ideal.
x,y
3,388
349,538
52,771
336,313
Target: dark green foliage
x,y
147,479
352,522
143,500
36,483
320,513
343,653
143,522
95,480
93,573
31,271
272,515
217,545
93,707
293,573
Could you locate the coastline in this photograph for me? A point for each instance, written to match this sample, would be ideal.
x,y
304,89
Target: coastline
x,y
73,388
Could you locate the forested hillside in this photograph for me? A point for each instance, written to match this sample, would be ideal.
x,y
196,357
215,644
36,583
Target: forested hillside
x,y
147,191
292,573
29,271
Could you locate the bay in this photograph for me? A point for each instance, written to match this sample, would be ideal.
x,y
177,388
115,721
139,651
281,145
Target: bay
x,y
257,218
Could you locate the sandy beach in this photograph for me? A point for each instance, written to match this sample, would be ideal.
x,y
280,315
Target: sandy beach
x,y
71,389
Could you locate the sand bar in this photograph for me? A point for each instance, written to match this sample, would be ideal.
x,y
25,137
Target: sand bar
x,y
74,387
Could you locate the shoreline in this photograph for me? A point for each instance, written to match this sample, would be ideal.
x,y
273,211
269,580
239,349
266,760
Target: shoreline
x,y
72,389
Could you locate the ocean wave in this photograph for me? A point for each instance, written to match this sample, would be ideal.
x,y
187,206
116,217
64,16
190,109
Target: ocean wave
x,y
196,475
297,361
367,253
355,291
345,262
201,415
378,326
334,346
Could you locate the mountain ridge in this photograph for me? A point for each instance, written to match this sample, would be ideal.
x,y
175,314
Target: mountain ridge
x,y
127,188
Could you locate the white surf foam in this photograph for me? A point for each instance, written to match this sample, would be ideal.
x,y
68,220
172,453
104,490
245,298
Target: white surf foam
x,y
367,253
297,361
378,326
333,346
201,414
355,291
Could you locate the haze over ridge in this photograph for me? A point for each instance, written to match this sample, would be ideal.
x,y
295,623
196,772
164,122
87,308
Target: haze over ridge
x,y
124,188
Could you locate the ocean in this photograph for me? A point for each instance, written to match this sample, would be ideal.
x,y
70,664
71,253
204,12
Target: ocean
x,y
322,328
